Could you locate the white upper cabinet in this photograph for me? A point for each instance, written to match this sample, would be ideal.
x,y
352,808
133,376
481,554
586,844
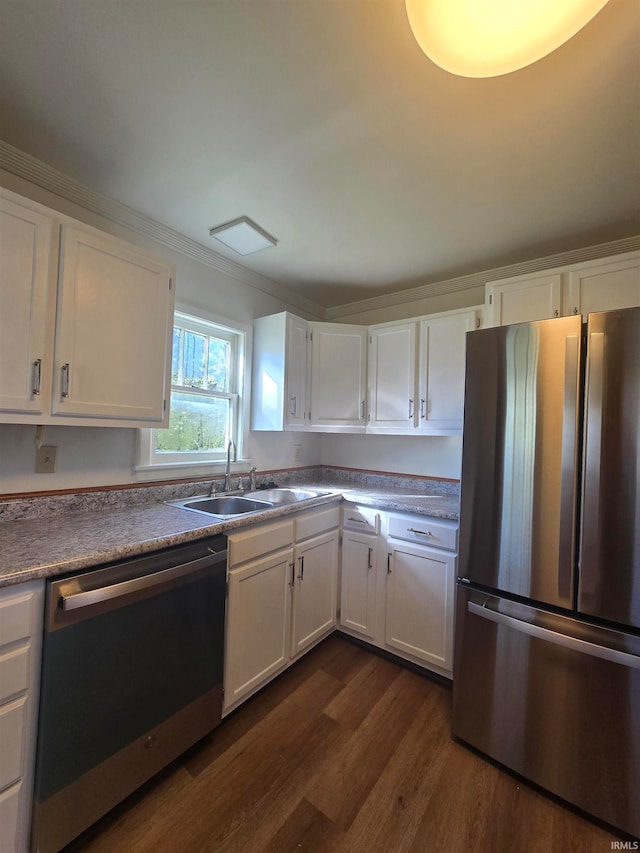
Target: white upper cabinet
x,y
26,238
107,361
601,285
442,369
279,377
522,299
338,377
111,350
392,378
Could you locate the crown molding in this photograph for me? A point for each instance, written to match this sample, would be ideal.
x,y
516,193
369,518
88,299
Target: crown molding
x,y
479,279
37,172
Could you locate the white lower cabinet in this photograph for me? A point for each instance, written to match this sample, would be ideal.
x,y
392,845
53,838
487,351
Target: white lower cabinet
x,y
397,592
21,614
281,597
314,597
360,528
258,618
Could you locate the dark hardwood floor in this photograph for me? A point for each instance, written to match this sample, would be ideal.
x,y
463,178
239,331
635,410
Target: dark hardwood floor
x,y
347,752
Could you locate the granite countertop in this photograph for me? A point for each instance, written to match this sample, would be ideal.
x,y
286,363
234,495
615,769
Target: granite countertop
x,y
33,548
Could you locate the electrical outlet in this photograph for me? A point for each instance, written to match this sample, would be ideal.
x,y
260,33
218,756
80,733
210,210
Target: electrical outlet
x,y
298,452
46,460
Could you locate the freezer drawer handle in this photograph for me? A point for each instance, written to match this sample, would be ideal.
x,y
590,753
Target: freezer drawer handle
x,y
118,590
563,640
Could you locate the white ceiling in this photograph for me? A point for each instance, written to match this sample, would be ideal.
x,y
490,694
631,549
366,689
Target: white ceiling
x,y
324,122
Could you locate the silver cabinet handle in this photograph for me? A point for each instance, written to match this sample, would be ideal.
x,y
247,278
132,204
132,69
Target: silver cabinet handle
x,y
292,566
37,370
65,380
369,555
421,532
422,411
294,406
388,563
549,636
362,410
410,408
301,562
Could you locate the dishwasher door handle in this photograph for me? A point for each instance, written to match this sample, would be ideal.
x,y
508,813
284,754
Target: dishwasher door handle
x,y
74,600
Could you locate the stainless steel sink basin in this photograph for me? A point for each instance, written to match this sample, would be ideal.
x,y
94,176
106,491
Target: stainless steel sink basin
x,y
223,506
283,496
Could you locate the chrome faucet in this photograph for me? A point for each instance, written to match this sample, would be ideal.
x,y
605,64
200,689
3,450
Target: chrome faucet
x,y
227,476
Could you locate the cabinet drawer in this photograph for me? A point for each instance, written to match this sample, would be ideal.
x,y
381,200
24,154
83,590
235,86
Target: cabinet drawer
x,y
15,617
360,518
438,533
14,672
254,542
12,723
314,523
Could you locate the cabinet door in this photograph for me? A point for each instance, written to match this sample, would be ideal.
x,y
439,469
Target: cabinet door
x,y
314,598
296,374
25,363
258,623
338,377
392,378
419,603
522,300
115,312
604,286
442,367
358,592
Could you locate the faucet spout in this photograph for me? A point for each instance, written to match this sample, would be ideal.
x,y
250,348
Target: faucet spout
x,y
227,476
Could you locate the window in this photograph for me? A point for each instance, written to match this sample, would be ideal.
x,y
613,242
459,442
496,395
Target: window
x,y
206,382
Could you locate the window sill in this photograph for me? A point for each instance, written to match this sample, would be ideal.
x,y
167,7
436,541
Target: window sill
x,y
213,466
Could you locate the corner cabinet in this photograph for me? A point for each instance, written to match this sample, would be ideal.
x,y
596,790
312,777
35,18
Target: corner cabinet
x,y
281,597
338,377
85,325
398,584
601,285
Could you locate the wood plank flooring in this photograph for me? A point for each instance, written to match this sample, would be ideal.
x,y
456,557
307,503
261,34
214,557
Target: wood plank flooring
x,y
346,752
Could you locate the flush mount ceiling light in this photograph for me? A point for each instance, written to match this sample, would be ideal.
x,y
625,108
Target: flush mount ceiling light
x,y
243,236
486,38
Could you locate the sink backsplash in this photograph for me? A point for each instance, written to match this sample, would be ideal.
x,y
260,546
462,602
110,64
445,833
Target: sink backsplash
x,y
114,498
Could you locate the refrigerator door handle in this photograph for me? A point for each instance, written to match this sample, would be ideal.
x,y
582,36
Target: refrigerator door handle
x,y
568,466
558,639
590,533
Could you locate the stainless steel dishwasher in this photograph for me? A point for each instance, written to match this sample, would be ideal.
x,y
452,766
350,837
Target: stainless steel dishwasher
x,y
131,677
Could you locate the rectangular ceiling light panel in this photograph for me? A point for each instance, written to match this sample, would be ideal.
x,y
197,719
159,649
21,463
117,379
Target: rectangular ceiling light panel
x,y
243,236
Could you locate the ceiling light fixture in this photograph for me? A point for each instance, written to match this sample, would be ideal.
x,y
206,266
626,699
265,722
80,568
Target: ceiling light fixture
x,y
487,38
243,236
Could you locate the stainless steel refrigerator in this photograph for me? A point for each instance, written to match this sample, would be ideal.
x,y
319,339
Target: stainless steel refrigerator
x,y
547,651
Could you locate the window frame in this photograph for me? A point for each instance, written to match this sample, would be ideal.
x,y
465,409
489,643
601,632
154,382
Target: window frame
x,y
148,459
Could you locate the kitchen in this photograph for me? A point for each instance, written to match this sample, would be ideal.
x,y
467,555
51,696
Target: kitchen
x,y
99,456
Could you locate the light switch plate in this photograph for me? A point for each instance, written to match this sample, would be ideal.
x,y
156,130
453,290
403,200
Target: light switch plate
x,y
46,460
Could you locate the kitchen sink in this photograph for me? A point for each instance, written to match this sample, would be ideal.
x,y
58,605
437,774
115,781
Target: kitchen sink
x,y
223,506
284,496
